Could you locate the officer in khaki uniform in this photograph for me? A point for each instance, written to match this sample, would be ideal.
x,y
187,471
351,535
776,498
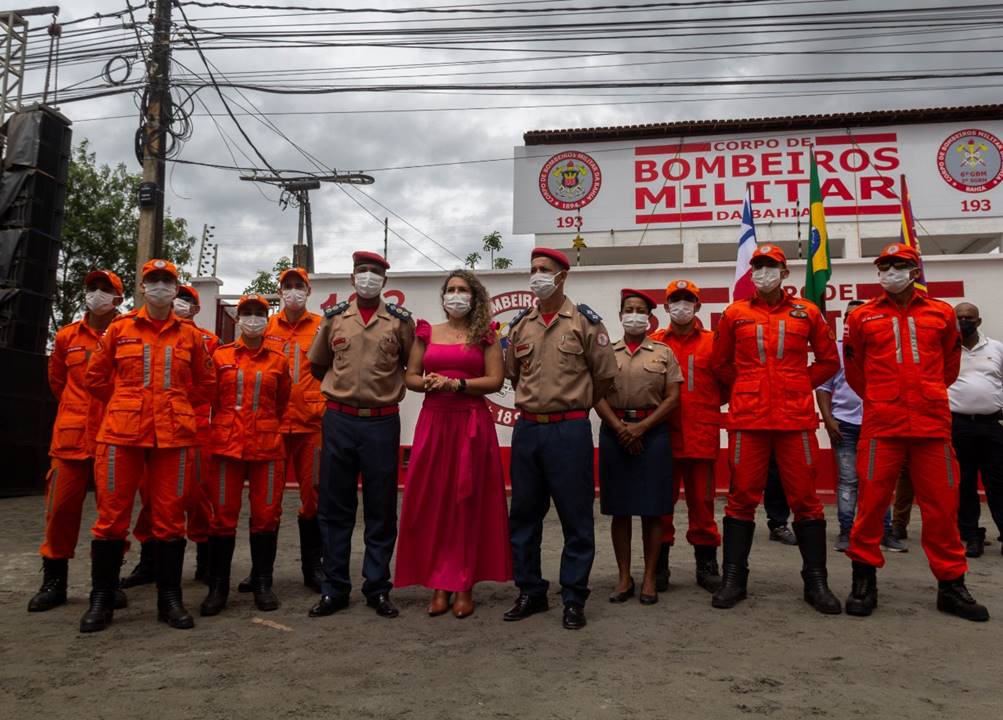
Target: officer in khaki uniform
x,y
359,354
560,362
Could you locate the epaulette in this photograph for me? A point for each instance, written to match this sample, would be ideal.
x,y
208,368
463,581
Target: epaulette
x,y
591,315
519,316
398,312
336,309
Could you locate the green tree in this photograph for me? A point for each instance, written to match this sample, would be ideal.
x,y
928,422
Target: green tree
x,y
492,244
101,230
267,283
472,259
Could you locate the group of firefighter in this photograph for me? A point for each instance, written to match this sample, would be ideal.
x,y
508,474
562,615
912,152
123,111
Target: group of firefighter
x,y
148,401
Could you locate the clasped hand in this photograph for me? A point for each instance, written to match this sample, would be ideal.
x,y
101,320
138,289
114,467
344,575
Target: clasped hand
x,y
434,382
630,436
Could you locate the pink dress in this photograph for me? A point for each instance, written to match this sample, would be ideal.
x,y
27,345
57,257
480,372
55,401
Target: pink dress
x,y
454,519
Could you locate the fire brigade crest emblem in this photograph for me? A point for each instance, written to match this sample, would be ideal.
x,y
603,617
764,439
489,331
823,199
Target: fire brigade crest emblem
x,y
570,180
971,161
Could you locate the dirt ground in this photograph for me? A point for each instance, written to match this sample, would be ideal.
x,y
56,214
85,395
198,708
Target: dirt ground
x,y
772,656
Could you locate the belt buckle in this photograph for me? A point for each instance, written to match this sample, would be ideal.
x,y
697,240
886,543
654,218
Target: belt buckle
x,y
365,412
630,414
543,419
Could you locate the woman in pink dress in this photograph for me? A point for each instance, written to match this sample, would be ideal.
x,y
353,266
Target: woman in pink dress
x,y
454,519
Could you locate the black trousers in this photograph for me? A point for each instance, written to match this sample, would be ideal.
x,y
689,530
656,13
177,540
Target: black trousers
x,y
778,512
978,444
354,445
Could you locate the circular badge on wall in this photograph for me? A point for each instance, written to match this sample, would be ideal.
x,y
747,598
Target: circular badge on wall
x,y
570,180
971,161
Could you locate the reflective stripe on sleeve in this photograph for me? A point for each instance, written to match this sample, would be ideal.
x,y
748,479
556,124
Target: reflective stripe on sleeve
x,y
240,390
761,344
897,330
780,339
913,341
296,361
689,374
257,391
168,358
147,366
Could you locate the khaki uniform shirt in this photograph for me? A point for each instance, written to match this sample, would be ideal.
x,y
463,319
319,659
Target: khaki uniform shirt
x,y
644,376
365,363
553,368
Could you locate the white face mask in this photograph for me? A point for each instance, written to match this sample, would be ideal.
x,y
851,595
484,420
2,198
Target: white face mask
x,y
766,279
634,323
294,298
252,326
456,304
99,302
182,308
543,284
895,280
682,311
368,285
160,294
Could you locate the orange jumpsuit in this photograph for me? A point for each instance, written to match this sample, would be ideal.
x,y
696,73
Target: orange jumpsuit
x,y
197,504
73,438
695,427
761,351
146,375
301,426
901,361
252,393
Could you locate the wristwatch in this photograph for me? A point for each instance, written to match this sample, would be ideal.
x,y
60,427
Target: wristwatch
x,y
462,387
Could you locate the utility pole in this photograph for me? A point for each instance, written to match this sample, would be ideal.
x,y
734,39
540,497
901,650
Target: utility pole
x,y
299,188
386,229
158,99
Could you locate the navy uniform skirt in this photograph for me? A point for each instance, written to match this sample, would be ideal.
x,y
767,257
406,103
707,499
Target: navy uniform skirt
x,y
635,484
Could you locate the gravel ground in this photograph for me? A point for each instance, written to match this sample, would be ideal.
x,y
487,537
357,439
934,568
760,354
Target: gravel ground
x,y
772,656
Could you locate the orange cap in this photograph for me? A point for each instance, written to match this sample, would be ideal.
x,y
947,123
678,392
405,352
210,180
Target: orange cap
x,y
115,280
682,286
294,271
191,291
648,300
364,256
898,251
251,299
156,264
769,251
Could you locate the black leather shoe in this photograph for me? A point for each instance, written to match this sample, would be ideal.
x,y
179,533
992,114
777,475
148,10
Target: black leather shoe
x,y
526,605
574,616
953,597
647,599
329,605
246,585
144,573
383,605
864,592
622,597
708,572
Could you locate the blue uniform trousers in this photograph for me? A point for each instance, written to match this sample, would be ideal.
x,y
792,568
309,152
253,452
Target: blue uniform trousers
x,y
353,445
553,460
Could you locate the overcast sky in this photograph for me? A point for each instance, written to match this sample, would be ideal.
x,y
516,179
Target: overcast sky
x,y
457,205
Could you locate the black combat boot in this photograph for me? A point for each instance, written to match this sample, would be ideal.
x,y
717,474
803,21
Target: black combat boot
x,y
263,547
202,562
708,574
953,597
170,561
735,556
106,560
662,571
52,593
811,542
144,573
310,553
220,560
864,593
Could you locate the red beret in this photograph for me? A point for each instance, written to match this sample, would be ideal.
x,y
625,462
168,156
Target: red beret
x,y
294,271
555,255
364,256
115,280
648,300
769,251
898,251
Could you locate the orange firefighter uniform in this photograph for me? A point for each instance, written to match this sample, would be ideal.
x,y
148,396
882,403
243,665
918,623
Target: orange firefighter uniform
x,y
253,390
901,361
147,377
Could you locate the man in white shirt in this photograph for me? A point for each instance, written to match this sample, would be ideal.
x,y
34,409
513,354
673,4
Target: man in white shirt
x,y
977,408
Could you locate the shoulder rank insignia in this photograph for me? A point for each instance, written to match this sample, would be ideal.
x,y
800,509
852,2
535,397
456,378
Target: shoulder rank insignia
x,y
518,317
591,315
398,312
798,314
336,309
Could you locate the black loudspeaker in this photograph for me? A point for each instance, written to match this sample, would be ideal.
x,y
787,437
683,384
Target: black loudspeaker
x,y
28,259
25,423
39,138
24,320
31,199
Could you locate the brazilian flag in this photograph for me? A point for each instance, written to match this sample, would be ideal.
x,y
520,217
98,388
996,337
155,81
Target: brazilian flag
x,y
819,268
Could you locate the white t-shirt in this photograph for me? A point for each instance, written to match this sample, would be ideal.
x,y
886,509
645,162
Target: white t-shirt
x,y
979,387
